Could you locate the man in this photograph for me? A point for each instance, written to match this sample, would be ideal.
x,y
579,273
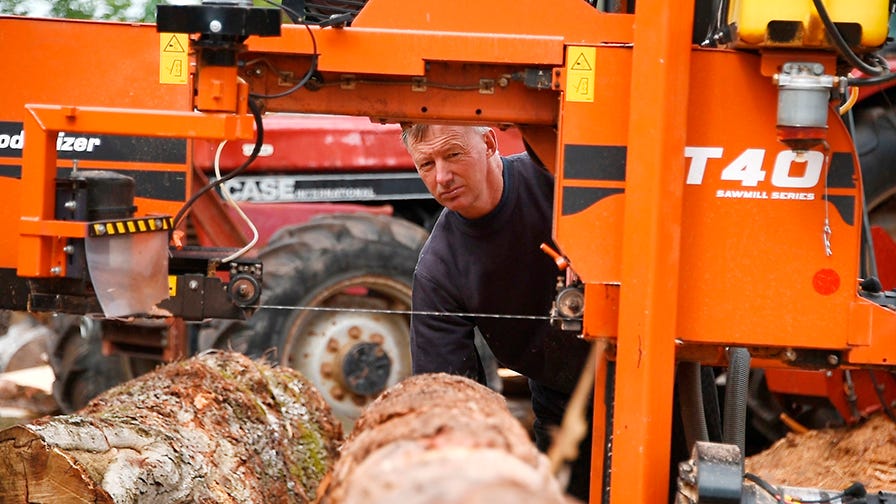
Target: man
x,y
482,268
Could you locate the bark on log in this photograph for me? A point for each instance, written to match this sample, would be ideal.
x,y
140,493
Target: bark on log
x,y
439,438
215,428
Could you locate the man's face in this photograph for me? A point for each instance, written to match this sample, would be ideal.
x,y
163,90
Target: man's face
x,y
453,163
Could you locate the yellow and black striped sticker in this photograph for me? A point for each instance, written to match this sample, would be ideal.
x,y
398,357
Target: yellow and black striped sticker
x,y
129,226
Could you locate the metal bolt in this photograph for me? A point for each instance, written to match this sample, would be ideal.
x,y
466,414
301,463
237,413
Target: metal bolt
x,y
833,360
326,370
332,345
789,355
71,205
193,285
377,338
56,270
214,26
354,332
101,229
337,392
68,249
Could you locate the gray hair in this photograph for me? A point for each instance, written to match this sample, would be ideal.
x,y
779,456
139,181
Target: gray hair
x,y
414,132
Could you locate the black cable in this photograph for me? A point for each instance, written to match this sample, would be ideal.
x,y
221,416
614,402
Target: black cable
x,y
869,262
311,69
856,490
765,485
880,396
870,81
715,27
293,15
255,108
841,44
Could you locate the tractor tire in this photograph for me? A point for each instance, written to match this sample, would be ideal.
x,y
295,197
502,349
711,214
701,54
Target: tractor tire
x,y
75,354
334,306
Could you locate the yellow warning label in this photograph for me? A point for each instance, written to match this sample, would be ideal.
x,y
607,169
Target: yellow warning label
x,y
172,285
580,73
173,58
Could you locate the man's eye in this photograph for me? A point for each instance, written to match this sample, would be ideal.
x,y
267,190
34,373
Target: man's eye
x,y
425,167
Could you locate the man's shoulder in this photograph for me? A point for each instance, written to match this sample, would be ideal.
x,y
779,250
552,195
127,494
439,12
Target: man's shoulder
x,y
522,159
524,164
527,175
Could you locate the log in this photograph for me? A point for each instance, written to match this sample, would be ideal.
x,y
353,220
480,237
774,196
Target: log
x,y
438,438
32,401
23,341
218,427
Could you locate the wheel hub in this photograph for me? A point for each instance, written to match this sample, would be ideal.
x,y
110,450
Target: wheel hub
x,y
353,355
365,368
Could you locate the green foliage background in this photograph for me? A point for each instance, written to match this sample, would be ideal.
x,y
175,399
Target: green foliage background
x,y
111,10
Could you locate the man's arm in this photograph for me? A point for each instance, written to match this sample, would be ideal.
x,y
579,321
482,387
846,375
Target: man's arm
x,y
441,343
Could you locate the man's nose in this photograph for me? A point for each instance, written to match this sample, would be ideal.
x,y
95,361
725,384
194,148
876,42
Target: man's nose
x,y
444,175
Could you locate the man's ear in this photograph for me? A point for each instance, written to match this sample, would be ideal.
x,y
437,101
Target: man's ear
x,y
491,142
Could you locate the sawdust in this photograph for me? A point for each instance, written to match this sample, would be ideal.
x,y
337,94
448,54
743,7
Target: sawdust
x,y
833,458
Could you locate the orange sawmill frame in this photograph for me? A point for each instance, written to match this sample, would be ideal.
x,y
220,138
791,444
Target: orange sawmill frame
x,y
679,261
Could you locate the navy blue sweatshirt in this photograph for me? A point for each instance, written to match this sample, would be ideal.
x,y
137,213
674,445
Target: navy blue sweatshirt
x,y
493,265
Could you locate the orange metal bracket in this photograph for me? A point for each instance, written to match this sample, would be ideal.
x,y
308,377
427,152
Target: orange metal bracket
x,y
40,245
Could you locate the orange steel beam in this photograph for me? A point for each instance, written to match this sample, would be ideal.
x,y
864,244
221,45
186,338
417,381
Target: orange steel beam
x,y
645,358
40,252
450,92
361,50
577,21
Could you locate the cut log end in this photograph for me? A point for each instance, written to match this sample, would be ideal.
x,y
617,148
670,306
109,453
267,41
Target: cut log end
x,y
218,427
34,471
439,438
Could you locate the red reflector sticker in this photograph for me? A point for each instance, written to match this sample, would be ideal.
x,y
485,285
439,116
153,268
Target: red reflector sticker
x,y
826,282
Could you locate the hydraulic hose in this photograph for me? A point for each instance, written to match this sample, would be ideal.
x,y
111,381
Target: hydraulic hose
x,y
842,46
690,398
734,419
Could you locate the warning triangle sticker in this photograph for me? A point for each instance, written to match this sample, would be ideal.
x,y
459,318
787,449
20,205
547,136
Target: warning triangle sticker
x,y
174,46
581,63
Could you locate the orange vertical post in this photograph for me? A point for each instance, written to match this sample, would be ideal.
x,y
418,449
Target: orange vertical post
x,y
34,253
645,359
